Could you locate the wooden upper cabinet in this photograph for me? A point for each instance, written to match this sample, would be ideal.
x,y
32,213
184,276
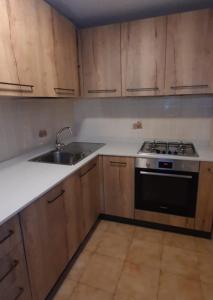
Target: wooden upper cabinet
x,y
118,186
100,61
189,56
143,46
204,211
66,60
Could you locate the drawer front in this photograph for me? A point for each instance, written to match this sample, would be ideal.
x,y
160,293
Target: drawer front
x,y
14,284
10,235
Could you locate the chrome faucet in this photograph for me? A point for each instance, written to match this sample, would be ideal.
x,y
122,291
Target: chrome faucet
x,y
59,144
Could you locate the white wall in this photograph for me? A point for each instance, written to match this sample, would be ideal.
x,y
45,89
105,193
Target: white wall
x,y
21,120
163,117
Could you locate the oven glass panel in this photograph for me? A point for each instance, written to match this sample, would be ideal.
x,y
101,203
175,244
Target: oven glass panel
x,y
172,195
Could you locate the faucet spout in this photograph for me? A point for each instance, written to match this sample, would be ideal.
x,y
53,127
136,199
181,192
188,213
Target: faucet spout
x,y
59,144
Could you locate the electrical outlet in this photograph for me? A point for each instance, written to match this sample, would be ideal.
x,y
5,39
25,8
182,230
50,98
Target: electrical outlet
x,y
42,133
137,125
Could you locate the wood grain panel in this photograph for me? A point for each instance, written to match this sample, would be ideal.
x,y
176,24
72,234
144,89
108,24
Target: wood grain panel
x,y
101,61
74,209
204,211
165,219
118,186
10,235
65,47
143,57
45,239
189,55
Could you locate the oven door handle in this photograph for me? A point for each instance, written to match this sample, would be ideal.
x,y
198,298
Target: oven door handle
x,y
166,175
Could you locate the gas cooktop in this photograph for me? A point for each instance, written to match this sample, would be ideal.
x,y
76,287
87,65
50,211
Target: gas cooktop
x,y
178,148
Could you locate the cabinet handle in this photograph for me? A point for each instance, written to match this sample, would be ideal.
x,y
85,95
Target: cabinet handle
x,y
62,91
118,164
92,167
18,85
143,89
210,170
10,233
184,87
101,91
12,267
21,290
54,199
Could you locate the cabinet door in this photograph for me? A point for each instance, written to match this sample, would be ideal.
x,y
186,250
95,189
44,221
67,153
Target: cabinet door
x,y
90,193
189,55
119,186
74,212
100,59
204,212
44,231
65,44
143,45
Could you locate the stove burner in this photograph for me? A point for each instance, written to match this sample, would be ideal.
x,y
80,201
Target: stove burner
x,y
171,148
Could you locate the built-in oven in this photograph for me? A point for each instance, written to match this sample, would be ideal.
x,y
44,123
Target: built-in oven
x,y
166,186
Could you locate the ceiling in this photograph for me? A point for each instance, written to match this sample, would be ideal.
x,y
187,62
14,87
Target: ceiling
x,y
85,13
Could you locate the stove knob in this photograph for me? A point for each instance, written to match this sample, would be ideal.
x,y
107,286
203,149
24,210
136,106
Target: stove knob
x,y
175,153
169,152
164,152
158,151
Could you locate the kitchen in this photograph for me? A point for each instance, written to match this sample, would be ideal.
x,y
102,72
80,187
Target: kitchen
x,y
106,150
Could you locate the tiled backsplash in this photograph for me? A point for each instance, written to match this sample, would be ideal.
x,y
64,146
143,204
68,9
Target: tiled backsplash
x,y
186,117
21,120
104,119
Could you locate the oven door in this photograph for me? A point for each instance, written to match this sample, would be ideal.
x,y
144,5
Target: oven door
x,y
166,191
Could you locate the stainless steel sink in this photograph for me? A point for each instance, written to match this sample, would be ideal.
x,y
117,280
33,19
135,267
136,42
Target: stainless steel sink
x,y
70,155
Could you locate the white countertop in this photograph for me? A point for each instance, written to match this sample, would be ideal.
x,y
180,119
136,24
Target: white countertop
x,y
22,181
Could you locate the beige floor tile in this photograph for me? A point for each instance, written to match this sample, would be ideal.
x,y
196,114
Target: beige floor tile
x,y
94,240
205,263
204,245
121,229
180,261
66,290
103,226
207,291
138,282
147,253
80,265
85,292
149,235
114,245
102,272
179,241
176,287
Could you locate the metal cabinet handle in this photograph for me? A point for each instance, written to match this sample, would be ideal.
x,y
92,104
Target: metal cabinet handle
x,y
166,175
62,91
54,199
18,85
184,87
21,290
118,164
101,91
91,168
12,267
146,89
10,233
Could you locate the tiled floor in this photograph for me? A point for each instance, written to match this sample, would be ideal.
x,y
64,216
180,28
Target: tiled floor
x,y
123,262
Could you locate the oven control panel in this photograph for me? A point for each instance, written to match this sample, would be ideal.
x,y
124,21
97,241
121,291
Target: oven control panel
x,y
167,164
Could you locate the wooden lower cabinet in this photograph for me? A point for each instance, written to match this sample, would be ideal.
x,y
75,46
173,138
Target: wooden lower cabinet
x,y
74,210
118,176
204,213
44,231
90,192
